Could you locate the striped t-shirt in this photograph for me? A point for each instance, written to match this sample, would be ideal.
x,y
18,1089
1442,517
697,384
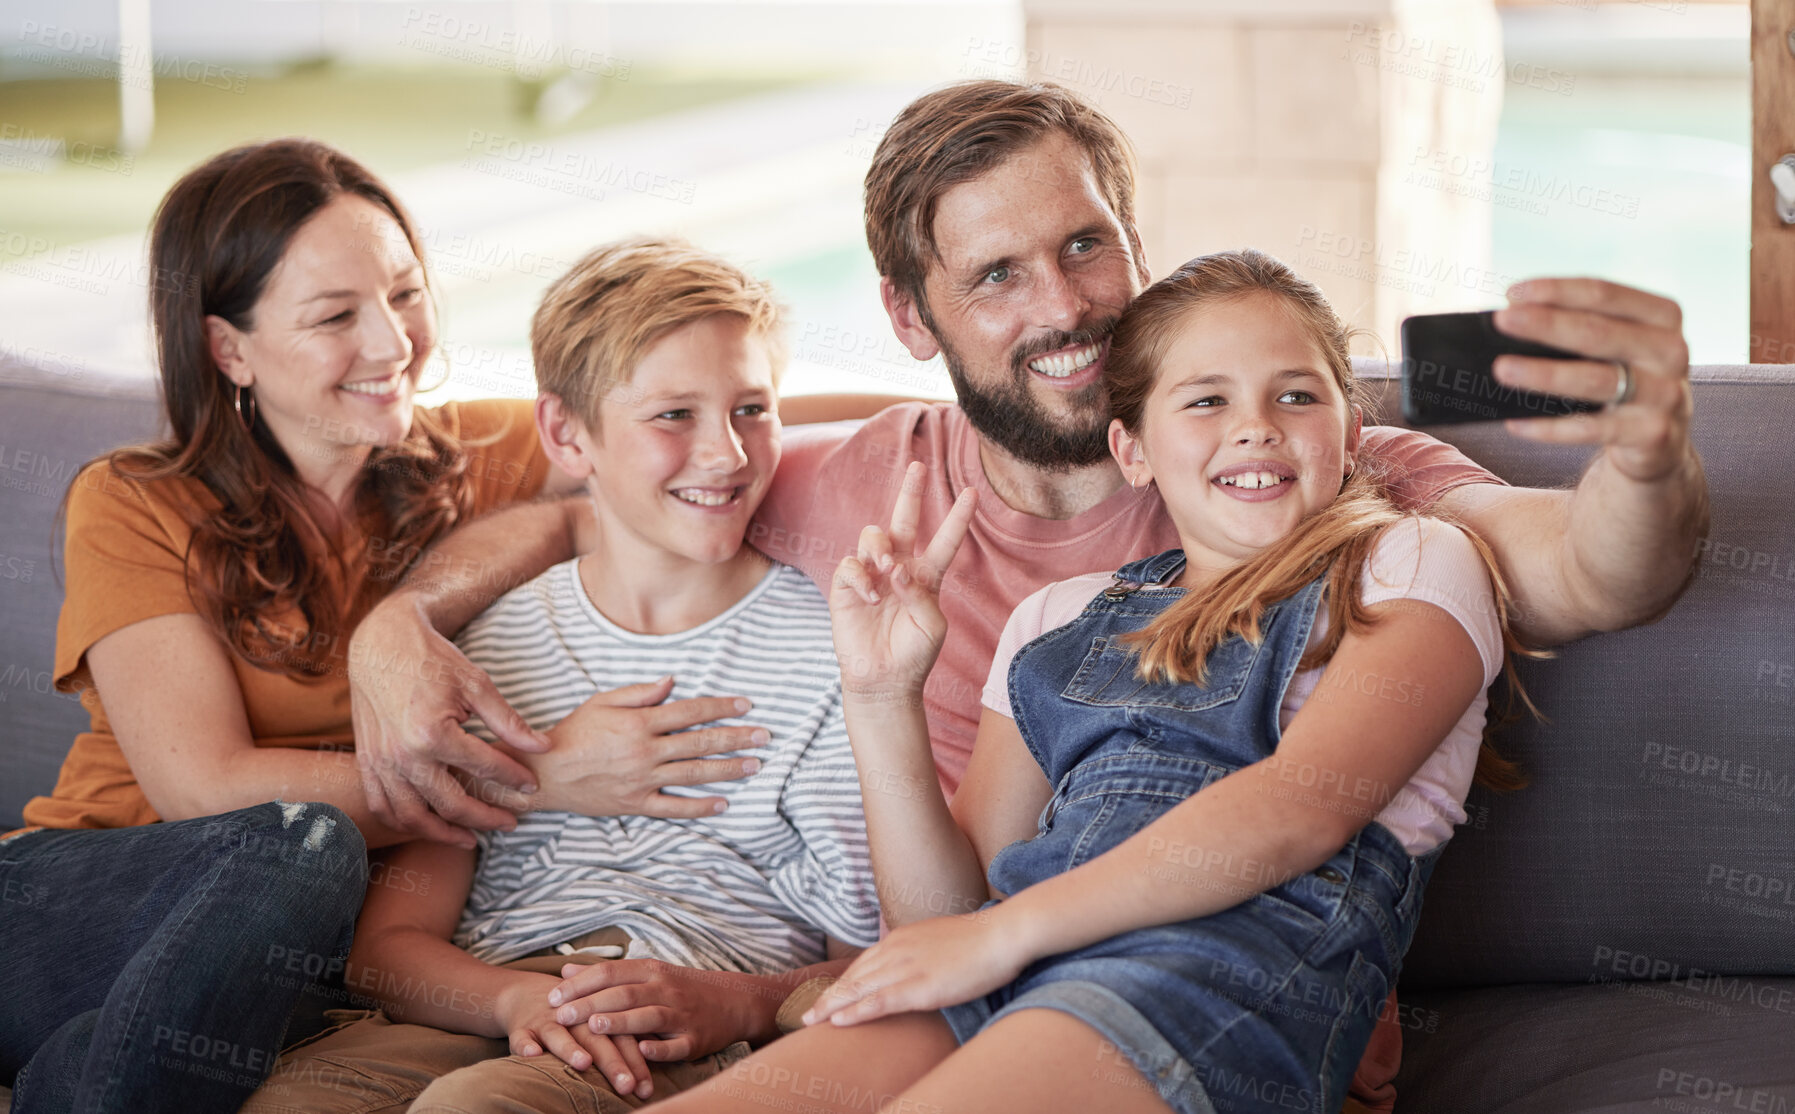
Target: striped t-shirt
x,y
753,889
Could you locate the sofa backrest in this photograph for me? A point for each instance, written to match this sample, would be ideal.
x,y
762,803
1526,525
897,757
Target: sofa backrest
x,y
1657,837
51,423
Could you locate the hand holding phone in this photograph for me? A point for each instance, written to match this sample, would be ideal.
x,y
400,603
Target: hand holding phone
x,y
1447,376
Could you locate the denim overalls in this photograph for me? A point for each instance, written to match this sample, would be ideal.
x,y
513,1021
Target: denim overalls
x,y
1266,1006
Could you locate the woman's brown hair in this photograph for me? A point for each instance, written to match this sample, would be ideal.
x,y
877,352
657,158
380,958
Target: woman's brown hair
x,y
217,236
1335,541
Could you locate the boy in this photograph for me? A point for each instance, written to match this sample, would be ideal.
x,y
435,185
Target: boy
x,y
657,367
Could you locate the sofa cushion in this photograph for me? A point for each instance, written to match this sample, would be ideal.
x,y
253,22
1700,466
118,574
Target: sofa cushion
x,y
1696,1044
1658,821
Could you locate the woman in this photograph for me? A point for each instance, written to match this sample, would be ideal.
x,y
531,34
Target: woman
x,y
212,583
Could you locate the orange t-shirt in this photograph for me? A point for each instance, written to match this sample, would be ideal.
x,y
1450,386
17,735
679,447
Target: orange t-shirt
x,y
125,562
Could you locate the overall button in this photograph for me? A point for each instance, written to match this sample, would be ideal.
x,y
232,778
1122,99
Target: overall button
x,y
1329,874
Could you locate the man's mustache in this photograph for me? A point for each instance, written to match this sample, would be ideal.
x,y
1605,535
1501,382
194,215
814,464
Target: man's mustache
x,y
1053,342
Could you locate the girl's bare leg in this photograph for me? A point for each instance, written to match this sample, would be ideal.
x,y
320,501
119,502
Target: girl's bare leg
x,y
824,1070
1034,1061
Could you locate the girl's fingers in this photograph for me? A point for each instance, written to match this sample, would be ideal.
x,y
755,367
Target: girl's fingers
x,y
852,576
856,982
524,1043
946,542
919,603
908,509
875,548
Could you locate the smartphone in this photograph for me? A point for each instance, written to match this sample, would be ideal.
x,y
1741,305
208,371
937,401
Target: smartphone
x,y
1446,376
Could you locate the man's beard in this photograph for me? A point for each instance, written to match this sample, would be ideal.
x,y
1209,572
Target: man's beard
x,y
1010,417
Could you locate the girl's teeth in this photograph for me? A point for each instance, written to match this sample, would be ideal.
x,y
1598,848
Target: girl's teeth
x,y
1252,481
706,498
369,387
1066,363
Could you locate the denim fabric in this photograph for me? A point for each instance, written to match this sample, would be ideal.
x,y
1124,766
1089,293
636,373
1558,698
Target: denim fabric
x,y
1266,1006
153,968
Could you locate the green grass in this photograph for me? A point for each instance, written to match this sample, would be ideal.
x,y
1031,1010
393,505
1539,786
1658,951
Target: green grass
x,y
392,118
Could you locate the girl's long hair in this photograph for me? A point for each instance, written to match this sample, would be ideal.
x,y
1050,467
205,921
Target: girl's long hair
x,y
1335,541
217,236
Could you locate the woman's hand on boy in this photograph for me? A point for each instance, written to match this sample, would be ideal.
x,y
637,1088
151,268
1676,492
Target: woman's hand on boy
x,y
531,1028
925,965
689,1013
883,601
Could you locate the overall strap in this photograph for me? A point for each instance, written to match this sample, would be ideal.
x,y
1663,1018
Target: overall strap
x,y
1156,569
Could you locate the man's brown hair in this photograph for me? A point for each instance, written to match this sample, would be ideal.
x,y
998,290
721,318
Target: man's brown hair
x,y
959,133
597,320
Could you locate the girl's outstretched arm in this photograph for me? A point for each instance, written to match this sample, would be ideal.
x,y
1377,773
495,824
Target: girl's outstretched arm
x,y
1239,836
888,629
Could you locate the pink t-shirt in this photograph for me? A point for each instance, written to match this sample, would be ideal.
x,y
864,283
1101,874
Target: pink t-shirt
x,y
835,479
1422,559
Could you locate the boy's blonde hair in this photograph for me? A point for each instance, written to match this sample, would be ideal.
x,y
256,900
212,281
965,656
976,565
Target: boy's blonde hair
x,y
597,320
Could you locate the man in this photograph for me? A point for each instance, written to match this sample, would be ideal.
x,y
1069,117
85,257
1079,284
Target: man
x,y
1001,217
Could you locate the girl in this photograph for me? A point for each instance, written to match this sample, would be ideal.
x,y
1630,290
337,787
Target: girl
x,y
1244,756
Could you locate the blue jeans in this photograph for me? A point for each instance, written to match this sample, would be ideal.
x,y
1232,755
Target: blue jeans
x,y
153,968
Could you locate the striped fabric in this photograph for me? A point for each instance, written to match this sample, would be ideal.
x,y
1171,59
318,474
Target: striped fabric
x,y
753,889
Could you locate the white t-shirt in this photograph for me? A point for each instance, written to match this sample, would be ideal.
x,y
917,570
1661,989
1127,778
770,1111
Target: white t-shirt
x,y
1420,559
754,888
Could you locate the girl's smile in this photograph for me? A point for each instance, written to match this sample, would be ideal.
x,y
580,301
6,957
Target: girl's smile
x,y
1246,430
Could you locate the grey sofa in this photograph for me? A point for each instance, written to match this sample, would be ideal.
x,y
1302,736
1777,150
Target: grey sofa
x,y
1620,936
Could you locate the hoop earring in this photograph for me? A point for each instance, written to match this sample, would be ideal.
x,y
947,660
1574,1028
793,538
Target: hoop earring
x,y
251,420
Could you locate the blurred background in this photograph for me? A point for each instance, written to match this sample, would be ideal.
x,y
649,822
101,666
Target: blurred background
x,y
1408,157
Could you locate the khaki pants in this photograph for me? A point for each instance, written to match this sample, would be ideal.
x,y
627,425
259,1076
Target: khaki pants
x,y
368,1064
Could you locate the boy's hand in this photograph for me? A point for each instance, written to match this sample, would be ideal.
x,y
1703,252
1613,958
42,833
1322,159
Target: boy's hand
x,y
614,753
690,1013
883,603
925,965
531,1027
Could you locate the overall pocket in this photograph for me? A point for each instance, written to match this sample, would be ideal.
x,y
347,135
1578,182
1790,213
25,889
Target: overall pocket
x,y
1109,677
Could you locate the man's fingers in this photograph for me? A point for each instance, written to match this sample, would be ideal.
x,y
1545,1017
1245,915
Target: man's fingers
x,y
1645,348
634,696
1572,429
411,813
669,1050
502,720
907,511
953,529
641,1020
1601,296
375,793
445,794
1585,379
579,980
681,714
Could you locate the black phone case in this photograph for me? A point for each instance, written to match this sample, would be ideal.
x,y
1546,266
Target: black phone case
x,y
1446,376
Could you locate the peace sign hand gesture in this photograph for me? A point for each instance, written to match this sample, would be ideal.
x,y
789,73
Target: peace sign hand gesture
x,y
883,603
